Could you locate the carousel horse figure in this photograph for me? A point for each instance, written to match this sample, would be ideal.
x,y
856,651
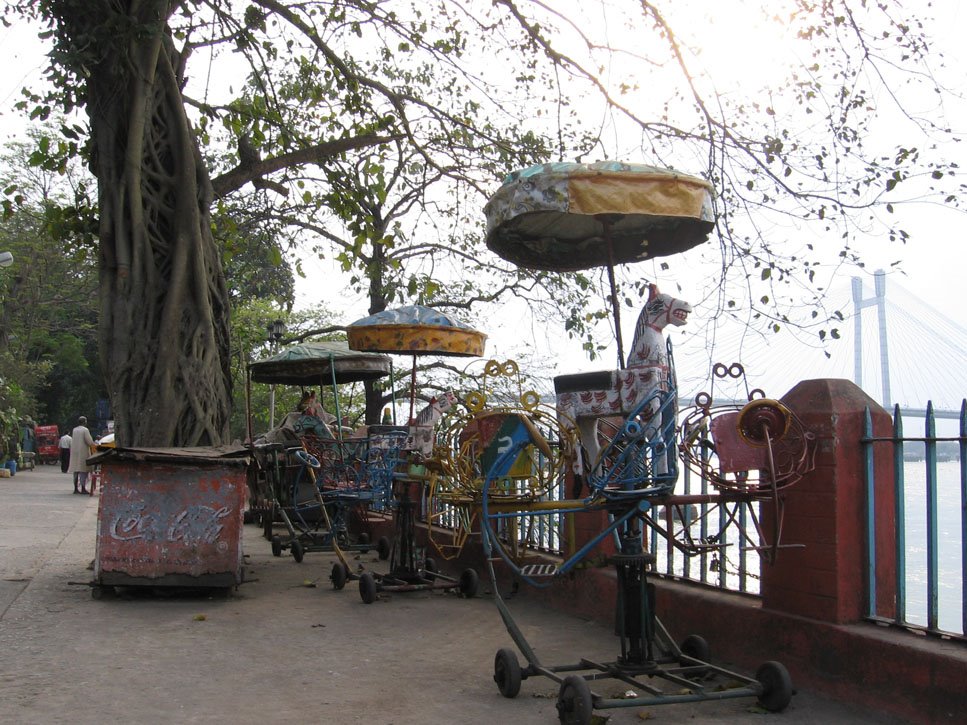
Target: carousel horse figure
x,y
421,436
587,397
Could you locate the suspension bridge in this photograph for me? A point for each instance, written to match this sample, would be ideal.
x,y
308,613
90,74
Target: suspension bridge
x,y
898,349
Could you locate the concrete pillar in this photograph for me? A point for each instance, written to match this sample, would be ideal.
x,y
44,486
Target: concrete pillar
x,y
826,578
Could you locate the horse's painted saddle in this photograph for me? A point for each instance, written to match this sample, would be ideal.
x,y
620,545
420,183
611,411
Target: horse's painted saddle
x,y
607,392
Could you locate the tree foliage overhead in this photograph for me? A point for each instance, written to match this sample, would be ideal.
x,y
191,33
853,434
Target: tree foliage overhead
x,y
48,324
361,123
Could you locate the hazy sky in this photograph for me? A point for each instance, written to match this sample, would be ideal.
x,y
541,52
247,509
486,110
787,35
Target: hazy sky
x,y
932,262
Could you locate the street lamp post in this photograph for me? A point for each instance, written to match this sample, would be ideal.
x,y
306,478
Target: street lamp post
x,y
276,330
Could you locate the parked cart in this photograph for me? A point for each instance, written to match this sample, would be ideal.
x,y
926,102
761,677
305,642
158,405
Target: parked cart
x,y
48,448
170,517
309,477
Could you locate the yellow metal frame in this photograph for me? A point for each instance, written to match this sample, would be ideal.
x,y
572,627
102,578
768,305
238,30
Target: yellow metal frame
x,y
457,489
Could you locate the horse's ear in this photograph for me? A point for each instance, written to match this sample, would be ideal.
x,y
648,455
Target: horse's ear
x,y
652,291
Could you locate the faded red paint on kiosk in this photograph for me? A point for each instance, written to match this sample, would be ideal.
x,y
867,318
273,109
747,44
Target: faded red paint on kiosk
x,y
171,517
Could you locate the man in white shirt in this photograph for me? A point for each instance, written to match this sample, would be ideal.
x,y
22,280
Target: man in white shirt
x,y
65,452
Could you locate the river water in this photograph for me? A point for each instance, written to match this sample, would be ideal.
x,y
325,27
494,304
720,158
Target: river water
x,y
949,544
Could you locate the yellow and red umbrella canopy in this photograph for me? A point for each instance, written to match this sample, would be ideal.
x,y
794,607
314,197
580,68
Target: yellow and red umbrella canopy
x,y
565,216
416,330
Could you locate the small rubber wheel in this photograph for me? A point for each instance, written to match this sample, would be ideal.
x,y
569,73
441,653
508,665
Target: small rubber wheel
x,y
248,517
695,647
267,516
276,545
507,672
367,588
363,542
574,701
298,551
776,686
469,583
339,575
383,548
429,569
100,592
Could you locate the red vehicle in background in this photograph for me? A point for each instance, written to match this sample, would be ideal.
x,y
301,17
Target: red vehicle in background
x,y
48,443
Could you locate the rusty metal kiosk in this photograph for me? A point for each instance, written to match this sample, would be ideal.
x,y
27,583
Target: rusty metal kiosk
x,y
170,517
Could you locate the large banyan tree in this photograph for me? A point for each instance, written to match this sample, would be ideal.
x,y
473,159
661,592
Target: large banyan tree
x,y
466,91
164,304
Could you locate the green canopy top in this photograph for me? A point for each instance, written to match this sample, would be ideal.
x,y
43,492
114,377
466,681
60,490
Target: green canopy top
x,y
318,363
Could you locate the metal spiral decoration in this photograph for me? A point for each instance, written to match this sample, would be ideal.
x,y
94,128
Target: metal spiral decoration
x,y
758,446
469,437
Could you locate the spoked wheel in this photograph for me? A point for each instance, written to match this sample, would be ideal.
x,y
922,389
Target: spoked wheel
x,y
383,548
367,588
429,569
574,701
776,686
276,545
298,551
339,575
507,672
469,583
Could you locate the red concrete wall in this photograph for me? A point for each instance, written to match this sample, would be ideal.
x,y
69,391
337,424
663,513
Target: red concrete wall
x,y
884,669
824,577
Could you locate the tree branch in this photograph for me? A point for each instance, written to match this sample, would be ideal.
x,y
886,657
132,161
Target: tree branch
x,y
243,173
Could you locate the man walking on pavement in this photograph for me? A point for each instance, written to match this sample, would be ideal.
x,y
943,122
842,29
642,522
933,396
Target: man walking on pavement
x,y
81,442
65,452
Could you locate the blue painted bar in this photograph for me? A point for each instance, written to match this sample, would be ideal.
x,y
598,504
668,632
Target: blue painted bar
x,y
900,511
870,514
963,514
703,526
724,551
670,550
932,563
743,552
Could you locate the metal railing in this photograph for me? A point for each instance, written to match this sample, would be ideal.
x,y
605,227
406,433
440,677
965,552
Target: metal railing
x,y
930,500
728,563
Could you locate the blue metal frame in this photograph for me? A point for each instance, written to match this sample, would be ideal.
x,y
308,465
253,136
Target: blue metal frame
x,y
626,485
930,441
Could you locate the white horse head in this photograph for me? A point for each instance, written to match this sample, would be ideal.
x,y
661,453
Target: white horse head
x,y
660,310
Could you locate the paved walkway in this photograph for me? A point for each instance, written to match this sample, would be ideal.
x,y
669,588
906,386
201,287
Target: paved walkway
x,y
286,648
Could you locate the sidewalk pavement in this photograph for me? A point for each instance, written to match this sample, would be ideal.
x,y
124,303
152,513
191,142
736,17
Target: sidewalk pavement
x,y
284,648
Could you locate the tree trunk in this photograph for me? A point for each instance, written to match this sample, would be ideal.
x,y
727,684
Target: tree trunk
x,y
164,314
376,399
